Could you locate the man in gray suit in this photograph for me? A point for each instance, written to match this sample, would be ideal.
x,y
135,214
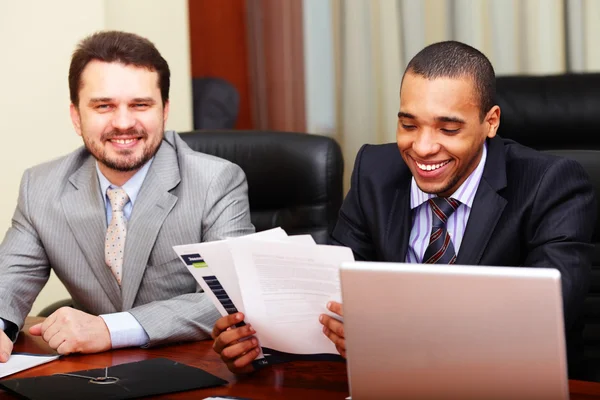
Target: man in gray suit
x,y
106,216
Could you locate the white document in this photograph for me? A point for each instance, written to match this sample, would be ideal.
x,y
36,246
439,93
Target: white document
x,y
305,239
285,287
203,259
281,283
20,362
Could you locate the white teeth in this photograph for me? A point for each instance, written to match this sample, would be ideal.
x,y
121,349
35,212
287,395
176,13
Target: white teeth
x,y
123,141
431,167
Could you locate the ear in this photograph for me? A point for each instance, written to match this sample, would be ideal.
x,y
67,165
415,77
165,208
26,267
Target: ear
x,y
493,121
166,109
75,118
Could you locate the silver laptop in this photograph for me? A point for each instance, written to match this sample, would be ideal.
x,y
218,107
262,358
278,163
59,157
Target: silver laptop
x,y
417,331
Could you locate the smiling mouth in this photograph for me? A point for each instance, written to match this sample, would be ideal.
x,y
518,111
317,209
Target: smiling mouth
x,y
123,141
431,167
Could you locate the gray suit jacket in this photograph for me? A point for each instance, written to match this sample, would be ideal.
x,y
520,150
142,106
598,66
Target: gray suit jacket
x,y
60,223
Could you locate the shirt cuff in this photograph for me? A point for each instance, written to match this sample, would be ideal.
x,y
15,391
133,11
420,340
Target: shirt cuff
x,y
9,328
125,330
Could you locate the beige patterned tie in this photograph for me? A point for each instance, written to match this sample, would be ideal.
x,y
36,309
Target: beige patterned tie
x,y
115,234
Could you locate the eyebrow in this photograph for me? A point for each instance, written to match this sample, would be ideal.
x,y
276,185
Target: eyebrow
x,y
450,119
457,120
403,114
97,100
143,100
110,99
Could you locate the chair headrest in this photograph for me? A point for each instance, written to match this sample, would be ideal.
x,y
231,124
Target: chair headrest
x,y
550,112
282,168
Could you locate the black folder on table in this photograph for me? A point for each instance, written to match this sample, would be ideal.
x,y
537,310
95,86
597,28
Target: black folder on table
x,y
138,379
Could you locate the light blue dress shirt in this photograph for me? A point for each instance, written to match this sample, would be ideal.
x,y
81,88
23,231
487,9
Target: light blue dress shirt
x,y
125,330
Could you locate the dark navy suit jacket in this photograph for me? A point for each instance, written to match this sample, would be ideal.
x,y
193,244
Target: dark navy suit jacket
x,y
531,209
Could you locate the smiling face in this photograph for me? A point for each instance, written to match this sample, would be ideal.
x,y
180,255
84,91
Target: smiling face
x,y
120,117
440,134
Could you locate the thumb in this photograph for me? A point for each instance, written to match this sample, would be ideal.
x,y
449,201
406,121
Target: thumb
x,y
36,330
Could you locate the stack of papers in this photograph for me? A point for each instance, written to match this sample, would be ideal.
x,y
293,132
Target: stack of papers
x,y
281,283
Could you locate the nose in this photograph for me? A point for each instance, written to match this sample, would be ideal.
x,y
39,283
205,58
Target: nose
x,y
123,119
425,144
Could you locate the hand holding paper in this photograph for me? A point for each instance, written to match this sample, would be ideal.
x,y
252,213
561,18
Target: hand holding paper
x,y
333,328
236,346
285,287
280,283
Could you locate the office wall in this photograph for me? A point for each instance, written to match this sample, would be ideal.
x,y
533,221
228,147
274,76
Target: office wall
x,y
37,38
165,23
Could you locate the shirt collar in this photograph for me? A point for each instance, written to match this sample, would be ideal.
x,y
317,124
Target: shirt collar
x,y
465,192
132,186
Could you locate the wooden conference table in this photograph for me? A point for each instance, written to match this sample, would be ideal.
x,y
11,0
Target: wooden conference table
x,y
295,380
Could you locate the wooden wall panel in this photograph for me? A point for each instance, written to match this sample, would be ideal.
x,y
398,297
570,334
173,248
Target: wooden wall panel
x,y
218,40
277,64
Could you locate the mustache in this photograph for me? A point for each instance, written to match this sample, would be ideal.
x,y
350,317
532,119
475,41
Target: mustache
x,y
115,134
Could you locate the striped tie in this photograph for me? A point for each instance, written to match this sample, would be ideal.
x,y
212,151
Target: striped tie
x,y
440,249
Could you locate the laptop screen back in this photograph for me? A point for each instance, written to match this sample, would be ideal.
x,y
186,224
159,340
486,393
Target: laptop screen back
x,y
441,332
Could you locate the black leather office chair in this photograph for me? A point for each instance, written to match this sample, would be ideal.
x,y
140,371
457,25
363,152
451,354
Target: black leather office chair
x,y
295,180
216,103
561,115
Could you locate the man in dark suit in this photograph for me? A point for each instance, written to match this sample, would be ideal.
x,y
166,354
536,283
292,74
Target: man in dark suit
x,y
451,191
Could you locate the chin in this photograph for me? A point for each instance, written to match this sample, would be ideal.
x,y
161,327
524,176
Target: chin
x,y
433,188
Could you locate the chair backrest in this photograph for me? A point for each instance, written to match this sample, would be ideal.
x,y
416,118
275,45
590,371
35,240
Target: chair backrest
x,y
295,180
560,115
216,103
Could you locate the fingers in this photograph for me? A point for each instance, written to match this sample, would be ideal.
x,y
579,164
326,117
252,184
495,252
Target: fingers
x,y
336,339
72,331
339,342
334,330
39,329
335,307
49,333
341,350
333,325
225,322
234,351
244,363
6,346
57,340
229,337
36,330
64,348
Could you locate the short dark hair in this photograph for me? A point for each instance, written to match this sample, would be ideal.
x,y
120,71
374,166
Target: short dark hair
x,y
122,47
452,59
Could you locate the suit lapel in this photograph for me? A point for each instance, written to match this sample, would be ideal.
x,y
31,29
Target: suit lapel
x,y
153,204
85,213
487,208
399,224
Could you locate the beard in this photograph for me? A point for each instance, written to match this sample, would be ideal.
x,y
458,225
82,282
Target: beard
x,y
126,160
